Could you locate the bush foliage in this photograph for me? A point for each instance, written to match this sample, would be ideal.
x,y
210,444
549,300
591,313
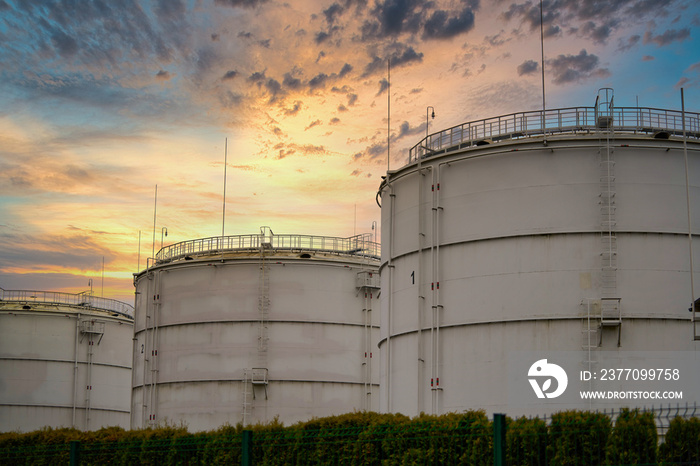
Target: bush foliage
x,y
571,438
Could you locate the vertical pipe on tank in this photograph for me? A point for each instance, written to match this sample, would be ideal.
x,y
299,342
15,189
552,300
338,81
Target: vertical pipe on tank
x,y
690,225
134,352
390,268
419,279
367,347
75,369
438,305
364,348
154,353
146,360
433,268
369,362
88,387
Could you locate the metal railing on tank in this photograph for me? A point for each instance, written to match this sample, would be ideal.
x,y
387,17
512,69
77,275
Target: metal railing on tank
x,y
635,120
80,300
355,246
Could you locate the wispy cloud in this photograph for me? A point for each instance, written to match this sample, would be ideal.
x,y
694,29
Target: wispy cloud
x,y
576,68
669,36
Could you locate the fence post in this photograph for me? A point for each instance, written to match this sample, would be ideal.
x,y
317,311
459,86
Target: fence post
x,y
499,439
247,448
74,453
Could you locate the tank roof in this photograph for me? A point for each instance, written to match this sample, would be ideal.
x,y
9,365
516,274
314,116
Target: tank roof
x,y
653,122
359,247
31,299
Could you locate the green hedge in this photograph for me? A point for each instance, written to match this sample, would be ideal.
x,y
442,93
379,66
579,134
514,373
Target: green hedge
x,y
571,438
682,443
526,442
633,439
578,438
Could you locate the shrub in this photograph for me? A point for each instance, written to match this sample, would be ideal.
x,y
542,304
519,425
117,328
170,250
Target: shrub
x,y
578,438
526,442
682,443
633,440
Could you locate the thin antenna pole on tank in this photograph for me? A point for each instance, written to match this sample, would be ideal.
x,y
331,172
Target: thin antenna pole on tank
x,y
544,106
690,228
138,257
155,207
103,277
354,224
223,221
388,109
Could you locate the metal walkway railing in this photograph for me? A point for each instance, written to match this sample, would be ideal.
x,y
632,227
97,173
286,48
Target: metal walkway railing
x,y
354,246
80,300
552,121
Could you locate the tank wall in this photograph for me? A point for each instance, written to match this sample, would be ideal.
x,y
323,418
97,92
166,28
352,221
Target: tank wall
x,y
206,405
535,191
208,340
511,252
37,372
478,361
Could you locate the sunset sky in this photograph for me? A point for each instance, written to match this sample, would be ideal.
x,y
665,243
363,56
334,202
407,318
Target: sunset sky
x,y
100,100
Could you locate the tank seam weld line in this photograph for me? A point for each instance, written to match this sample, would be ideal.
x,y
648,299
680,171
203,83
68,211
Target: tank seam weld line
x,y
553,233
65,361
253,321
113,410
4,305
469,324
173,382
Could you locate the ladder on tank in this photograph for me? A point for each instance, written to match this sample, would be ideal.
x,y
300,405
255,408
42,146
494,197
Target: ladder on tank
x,y
263,296
246,398
367,283
610,310
257,376
91,328
590,332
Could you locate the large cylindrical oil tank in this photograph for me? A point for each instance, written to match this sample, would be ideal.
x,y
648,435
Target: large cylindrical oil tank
x,y
243,329
65,361
505,245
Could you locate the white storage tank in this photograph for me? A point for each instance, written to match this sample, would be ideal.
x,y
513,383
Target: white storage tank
x,y
504,245
65,361
252,327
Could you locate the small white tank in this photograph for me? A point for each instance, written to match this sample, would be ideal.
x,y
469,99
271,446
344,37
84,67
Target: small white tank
x,y
252,327
65,361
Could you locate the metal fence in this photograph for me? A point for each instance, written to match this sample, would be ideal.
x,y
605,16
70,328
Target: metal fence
x,y
570,438
562,120
81,300
355,246
662,414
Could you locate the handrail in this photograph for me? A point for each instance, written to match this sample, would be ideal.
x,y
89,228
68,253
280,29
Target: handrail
x,y
354,246
561,120
81,300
